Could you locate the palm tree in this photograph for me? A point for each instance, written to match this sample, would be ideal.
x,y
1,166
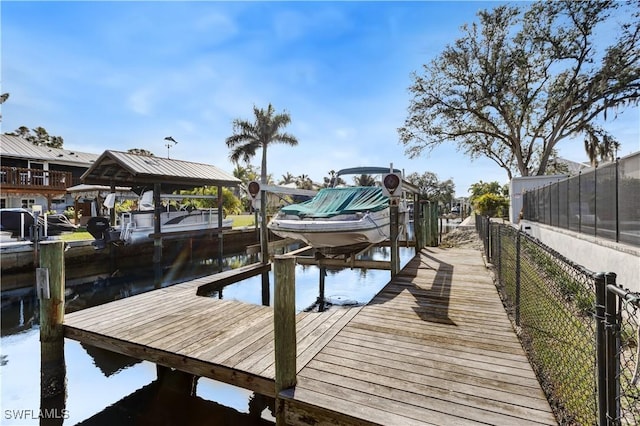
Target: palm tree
x,y
304,182
248,137
286,179
364,180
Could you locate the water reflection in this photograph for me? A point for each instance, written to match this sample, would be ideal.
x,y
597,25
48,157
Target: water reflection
x,y
129,388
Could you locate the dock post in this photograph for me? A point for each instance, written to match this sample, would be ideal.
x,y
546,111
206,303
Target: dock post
x,y
50,279
157,239
323,275
264,247
220,237
264,232
393,236
284,328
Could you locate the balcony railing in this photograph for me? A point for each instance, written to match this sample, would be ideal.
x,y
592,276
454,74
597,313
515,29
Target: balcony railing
x,y
32,179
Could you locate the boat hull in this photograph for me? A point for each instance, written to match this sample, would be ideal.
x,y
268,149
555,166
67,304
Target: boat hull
x,y
141,234
136,227
335,232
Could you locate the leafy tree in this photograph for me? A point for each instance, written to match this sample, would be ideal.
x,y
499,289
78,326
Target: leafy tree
x,y
600,146
364,180
287,179
38,136
480,188
265,130
140,151
304,182
522,80
3,99
490,204
489,198
433,189
245,174
230,203
333,180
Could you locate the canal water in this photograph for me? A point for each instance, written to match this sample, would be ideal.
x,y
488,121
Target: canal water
x,y
106,388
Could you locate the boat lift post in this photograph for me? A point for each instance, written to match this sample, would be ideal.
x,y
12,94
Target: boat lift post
x,y
394,186
254,189
220,236
157,238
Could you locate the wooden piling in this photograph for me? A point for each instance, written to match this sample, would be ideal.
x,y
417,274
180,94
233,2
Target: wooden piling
x,y
50,287
393,236
284,332
323,275
157,237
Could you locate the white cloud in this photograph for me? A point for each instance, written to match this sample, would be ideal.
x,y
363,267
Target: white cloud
x,y
140,101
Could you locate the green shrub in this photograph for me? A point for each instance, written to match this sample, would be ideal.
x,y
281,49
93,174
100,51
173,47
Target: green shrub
x,y
491,205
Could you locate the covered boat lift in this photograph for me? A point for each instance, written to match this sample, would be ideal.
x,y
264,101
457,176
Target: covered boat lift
x,y
163,175
394,186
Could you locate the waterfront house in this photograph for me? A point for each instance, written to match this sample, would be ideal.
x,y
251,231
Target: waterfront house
x,y
32,175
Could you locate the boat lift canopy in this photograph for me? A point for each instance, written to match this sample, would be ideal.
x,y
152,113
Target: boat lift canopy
x,y
372,170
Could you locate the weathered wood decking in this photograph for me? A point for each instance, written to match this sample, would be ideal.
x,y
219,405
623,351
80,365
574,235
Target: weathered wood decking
x,y
435,346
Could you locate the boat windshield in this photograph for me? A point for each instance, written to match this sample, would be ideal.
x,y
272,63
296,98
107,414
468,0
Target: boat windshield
x,y
335,201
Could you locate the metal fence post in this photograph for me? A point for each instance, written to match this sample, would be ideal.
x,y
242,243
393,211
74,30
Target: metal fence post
x,y
601,348
518,277
613,363
617,198
487,252
595,201
499,250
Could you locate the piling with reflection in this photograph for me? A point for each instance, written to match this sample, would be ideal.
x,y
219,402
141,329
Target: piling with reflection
x,y
284,327
50,282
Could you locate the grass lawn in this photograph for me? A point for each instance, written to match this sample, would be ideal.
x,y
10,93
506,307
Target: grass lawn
x,y
76,236
240,220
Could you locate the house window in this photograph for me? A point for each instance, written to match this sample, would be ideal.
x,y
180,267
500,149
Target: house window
x,y
27,203
3,203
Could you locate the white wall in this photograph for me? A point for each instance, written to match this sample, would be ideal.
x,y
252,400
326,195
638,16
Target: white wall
x,y
595,254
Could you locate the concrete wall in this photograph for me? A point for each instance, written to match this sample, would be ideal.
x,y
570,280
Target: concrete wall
x,y
595,254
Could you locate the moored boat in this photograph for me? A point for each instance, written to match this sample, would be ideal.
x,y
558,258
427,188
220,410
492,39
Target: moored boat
x,y
19,222
137,226
339,216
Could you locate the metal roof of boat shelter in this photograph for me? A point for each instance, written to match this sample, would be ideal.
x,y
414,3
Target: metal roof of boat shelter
x,y
134,170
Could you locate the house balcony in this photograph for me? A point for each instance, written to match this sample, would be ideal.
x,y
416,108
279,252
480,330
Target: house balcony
x,y
21,180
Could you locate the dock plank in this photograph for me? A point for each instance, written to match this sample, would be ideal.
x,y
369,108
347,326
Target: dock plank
x,y
434,347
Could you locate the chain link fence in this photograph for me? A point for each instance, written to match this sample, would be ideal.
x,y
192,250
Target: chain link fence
x,y
622,331
553,303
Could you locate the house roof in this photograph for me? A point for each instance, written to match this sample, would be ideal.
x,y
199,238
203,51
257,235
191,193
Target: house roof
x,y
132,170
17,147
574,167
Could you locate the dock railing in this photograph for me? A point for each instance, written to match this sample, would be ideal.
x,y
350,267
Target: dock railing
x,y
579,328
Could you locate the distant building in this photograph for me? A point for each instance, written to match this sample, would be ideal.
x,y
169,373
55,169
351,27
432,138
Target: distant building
x,y
32,175
573,167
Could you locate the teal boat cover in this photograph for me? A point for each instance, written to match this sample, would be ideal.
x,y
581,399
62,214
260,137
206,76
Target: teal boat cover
x,y
330,202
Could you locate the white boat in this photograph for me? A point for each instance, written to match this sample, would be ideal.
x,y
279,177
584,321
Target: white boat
x,y
339,216
135,227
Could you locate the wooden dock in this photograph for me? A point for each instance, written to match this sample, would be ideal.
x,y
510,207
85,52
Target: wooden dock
x,y
435,346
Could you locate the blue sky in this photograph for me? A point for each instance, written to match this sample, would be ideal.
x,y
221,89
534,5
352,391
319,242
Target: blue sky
x,y
121,75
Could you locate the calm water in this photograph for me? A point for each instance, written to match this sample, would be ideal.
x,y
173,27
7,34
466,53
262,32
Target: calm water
x,y
105,388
